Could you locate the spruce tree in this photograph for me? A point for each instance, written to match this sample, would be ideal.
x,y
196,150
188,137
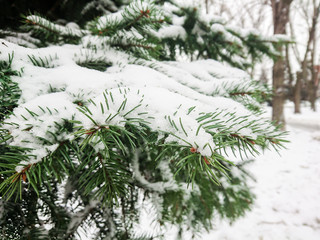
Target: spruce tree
x,y
133,107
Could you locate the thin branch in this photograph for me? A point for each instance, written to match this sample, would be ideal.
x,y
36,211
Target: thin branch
x,y
43,26
130,45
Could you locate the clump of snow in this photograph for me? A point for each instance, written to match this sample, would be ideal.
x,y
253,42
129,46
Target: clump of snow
x,y
63,30
108,19
185,3
72,25
211,18
23,39
177,20
172,31
217,28
112,19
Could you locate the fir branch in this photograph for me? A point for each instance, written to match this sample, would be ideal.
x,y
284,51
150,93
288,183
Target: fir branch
x,y
51,32
106,175
48,28
142,14
240,93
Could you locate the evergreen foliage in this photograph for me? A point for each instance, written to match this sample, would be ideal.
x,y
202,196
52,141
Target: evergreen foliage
x,y
103,119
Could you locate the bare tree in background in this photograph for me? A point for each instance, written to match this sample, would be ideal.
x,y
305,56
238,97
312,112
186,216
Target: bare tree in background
x,y
247,14
309,73
280,10
298,71
255,13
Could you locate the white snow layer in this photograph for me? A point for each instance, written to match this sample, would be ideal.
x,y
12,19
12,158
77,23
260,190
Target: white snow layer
x,y
160,93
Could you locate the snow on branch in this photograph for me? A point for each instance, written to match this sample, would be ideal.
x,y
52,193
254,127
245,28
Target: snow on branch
x,y
169,97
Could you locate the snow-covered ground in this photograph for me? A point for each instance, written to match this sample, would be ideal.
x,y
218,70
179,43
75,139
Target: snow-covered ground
x,y
287,188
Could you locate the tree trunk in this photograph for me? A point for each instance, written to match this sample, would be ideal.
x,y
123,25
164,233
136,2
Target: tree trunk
x,y
278,91
313,87
312,94
280,10
297,92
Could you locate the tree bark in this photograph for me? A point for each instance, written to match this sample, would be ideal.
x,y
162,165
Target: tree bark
x,y
312,94
280,10
313,87
297,92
